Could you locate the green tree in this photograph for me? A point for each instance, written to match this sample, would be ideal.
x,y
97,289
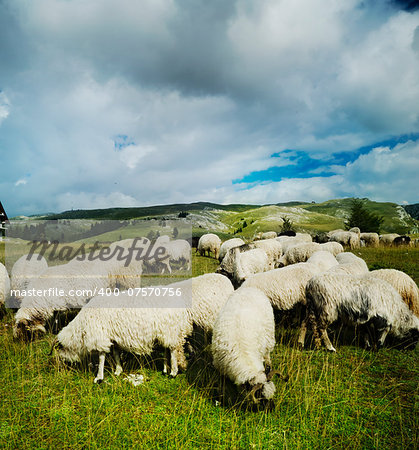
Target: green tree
x,y
360,217
287,225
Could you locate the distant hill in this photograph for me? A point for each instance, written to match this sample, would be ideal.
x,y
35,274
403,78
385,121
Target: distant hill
x,y
413,210
245,219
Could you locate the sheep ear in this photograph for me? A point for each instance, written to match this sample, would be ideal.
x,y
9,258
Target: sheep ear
x,y
272,373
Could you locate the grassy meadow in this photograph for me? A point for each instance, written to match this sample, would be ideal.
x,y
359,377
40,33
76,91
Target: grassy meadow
x,y
352,399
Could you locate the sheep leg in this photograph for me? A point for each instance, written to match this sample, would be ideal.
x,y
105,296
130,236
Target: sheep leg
x,y
326,340
383,337
99,376
181,359
173,363
118,369
166,361
302,335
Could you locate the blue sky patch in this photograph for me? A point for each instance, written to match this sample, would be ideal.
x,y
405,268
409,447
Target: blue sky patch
x,y
299,163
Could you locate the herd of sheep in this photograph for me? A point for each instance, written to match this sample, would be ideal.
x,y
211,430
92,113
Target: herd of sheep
x,y
235,306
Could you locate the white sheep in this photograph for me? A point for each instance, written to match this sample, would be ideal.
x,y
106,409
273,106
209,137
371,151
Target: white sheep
x,y
303,237
243,339
229,244
179,250
347,238
137,323
269,235
4,286
285,287
145,254
387,239
362,300
323,259
209,243
70,286
403,284
333,247
370,239
299,253
355,230
349,264
248,263
273,249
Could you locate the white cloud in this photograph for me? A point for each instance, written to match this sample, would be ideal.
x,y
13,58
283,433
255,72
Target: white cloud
x,y
4,107
206,92
22,181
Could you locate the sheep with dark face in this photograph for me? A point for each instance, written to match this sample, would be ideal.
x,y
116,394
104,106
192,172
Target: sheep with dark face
x,y
243,338
359,300
401,240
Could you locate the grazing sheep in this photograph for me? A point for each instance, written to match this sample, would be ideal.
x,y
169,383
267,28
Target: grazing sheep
x,y
248,263
347,238
333,247
209,243
70,286
287,242
243,338
136,323
387,239
229,244
362,300
350,264
285,287
329,233
299,253
179,250
349,258
323,259
321,238
355,230
269,235
4,287
401,240
370,239
273,249
403,284
144,248
303,237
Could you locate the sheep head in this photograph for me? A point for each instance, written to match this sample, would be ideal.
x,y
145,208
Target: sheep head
x,y
27,330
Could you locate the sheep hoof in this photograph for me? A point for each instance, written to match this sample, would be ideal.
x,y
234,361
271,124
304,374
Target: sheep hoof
x,y
332,349
118,372
98,380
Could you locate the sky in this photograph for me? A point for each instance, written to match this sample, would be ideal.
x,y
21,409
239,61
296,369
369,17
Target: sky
x,y
141,102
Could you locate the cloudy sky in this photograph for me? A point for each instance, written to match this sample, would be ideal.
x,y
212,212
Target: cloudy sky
x,y
109,103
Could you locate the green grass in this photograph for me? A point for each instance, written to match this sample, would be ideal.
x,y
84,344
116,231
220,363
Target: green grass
x,y
352,399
